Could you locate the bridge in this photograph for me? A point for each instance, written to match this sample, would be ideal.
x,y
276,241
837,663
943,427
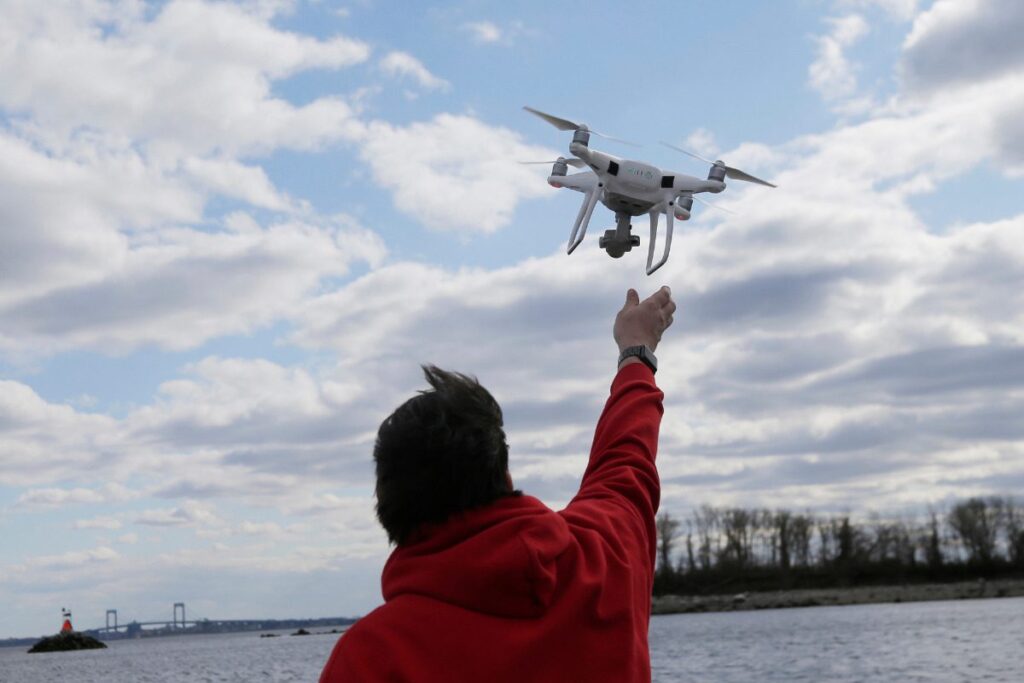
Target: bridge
x,y
112,625
180,624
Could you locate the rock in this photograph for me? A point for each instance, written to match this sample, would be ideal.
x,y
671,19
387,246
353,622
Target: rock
x,y
69,640
301,632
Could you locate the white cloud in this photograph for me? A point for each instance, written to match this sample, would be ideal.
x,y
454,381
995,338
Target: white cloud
x,y
110,523
44,498
231,178
454,173
484,31
104,188
196,76
901,10
176,287
701,141
53,497
189,513
404,65
69,561
831,73
44,442
962,42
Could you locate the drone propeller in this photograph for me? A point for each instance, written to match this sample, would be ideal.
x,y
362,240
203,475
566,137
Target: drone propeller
x,y
730,172
577,163
566,124
713,206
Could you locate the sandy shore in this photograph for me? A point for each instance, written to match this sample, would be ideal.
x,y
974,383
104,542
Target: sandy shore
x,y
675,604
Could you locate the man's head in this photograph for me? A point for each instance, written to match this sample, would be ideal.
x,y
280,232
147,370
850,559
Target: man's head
x,y
441,452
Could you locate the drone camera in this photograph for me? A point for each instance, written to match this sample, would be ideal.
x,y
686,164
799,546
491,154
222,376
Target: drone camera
x,y
617,246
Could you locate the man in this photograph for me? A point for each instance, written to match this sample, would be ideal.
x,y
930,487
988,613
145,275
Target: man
x,y
489,585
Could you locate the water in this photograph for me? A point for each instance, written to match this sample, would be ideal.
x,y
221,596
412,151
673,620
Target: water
x,y
938,642
230,657
966,640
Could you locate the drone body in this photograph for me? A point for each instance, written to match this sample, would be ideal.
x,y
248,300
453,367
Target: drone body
x,y
630,188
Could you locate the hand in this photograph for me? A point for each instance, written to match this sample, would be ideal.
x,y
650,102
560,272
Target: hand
x,y
642,323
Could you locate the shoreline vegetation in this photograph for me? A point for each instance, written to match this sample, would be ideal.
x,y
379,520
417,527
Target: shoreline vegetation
x,y
727,558
821,597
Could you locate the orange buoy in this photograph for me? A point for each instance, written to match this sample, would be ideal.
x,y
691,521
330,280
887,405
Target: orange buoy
x,y
66,628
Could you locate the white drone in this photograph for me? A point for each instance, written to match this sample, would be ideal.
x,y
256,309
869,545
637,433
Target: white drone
x,y
630,188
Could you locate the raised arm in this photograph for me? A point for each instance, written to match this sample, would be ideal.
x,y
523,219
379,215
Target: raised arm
x,y
620,488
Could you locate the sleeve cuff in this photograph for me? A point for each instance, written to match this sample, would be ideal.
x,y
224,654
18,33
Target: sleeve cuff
x,y
633,371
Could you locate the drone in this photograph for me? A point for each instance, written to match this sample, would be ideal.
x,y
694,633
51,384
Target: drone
x,y
630,188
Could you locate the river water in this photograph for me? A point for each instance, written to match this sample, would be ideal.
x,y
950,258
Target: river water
x,y
966,640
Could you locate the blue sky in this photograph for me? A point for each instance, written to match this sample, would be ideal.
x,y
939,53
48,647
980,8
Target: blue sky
x,y
230,232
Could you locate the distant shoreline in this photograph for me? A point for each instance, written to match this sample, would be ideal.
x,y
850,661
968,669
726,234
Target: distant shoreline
x,y
202,628
819,597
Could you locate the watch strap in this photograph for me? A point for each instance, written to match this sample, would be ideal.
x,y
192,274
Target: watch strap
x,y
641,352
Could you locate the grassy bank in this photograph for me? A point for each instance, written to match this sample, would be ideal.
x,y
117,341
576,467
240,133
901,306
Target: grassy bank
x,y
676,604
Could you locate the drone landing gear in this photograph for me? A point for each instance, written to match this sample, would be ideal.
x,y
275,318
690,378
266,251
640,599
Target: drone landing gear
x,y
618,241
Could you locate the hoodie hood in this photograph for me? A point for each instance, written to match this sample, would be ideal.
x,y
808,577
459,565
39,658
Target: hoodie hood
x,y
501,559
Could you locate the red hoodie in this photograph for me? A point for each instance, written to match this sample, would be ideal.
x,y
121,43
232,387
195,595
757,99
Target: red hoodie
x,y
517,592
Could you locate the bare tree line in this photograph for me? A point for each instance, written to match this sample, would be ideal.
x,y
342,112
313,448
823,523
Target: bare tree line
x,y
744,548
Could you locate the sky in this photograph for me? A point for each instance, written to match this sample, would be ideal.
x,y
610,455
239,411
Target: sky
x,y
230,233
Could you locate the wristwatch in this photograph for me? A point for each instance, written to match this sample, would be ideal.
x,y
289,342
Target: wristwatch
x,y
641,352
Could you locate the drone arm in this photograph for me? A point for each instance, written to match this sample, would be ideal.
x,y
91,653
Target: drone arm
x,y
579,228
580,182
599,161
669,224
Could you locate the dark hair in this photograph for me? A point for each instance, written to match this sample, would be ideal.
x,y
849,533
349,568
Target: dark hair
x,y
441,452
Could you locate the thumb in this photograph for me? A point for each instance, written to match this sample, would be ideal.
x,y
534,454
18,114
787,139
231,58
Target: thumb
x,y
632,298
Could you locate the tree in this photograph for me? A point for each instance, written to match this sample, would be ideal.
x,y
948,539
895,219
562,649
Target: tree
x,y
690,564
668,529
976,523
801,531
739,527
1013,523
781,522
705,519
933,543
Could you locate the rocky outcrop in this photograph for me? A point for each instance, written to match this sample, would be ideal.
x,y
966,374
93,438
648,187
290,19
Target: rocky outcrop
x,y
68,640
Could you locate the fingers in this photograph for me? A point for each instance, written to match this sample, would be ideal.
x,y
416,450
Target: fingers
x,y
632,298
666,306
661,297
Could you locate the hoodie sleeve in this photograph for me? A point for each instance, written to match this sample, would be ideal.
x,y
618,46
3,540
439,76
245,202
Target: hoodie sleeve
x,y
621,480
